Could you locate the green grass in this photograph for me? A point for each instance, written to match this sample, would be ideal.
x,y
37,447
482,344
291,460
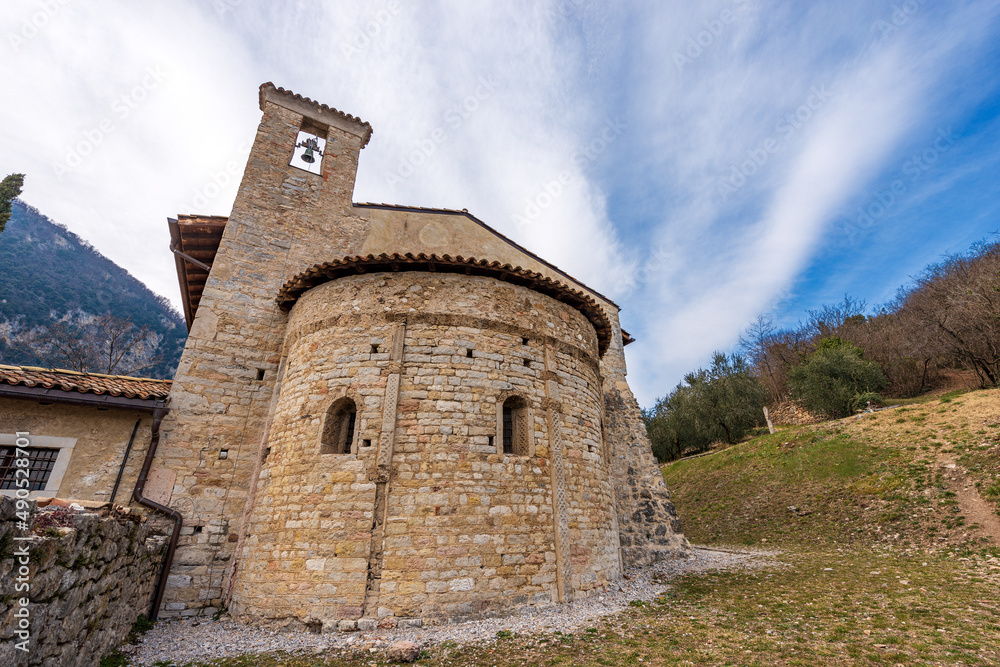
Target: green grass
x,y
742,495
863,576
860,481
828,607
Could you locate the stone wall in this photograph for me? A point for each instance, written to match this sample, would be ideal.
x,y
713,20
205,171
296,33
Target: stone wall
x,y
284,220
90,577
93,440
468,530
225,401
647,521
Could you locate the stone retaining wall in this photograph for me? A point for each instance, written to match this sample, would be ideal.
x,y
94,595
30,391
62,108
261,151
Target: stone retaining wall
x,y
90,577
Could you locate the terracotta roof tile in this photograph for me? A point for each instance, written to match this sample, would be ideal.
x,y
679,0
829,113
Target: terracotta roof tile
x,y
85,383
317,105
355,264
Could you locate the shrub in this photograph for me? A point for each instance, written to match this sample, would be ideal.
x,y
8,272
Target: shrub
x,y
719,404
836,379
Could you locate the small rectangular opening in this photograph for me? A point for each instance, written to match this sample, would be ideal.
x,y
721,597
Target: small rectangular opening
x,y
197,529
366,442
374,348
524,341
260,374
468,353
527,362
491,441
223,453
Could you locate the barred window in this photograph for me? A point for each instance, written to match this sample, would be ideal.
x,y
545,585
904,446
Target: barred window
x,y
338,428
514,426
40,465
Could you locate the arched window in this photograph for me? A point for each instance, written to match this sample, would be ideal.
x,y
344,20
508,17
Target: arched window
x,y
338,427
514,426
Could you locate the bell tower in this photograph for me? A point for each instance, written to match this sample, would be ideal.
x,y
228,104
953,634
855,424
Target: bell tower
x,y
293,210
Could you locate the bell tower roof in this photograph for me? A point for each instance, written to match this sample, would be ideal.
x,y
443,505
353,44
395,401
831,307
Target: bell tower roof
x,y
315,111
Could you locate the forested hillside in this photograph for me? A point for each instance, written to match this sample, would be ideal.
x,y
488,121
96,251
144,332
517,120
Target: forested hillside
x,y
941,329
49,273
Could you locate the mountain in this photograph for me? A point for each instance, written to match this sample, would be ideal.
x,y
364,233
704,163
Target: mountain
x,y
47,272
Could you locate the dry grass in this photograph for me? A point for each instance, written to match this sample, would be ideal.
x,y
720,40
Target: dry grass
x,y
848,607
872,480
865,579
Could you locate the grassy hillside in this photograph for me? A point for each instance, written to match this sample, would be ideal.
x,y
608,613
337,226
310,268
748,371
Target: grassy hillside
x,y
926,474
48,271
881,562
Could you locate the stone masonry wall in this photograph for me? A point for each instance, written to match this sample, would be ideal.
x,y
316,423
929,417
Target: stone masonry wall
x,y
222,404
281,223
468,531
647,521
89,581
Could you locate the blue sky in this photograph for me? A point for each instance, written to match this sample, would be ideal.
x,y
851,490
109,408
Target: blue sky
x,y
700,163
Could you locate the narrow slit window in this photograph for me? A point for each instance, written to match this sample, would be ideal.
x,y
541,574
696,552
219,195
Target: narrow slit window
x,y
508,430
514,426
338,427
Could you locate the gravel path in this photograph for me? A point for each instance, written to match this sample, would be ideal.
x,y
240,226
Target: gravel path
x,y
183,641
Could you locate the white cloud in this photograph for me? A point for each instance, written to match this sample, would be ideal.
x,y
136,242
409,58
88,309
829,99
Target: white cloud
x,y
119,115
727,253
560,115
494,80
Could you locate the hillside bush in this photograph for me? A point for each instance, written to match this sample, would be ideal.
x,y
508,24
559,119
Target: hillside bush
x,y
721,403
836,379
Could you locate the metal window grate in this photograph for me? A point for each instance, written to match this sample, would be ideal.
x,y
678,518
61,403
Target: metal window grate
x,y
40,465
346,445
508,430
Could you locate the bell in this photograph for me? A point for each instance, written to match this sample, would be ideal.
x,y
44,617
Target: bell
x,y
311,147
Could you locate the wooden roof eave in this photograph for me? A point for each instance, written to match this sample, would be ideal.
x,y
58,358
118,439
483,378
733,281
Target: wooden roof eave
x,y
180,265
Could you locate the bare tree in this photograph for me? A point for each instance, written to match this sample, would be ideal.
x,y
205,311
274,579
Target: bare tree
x,y
958,302
831,320
103,344
756,342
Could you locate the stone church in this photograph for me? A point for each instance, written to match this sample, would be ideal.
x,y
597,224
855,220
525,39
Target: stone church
x,y
387,414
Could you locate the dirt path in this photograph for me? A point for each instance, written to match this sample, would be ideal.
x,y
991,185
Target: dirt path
x,y
974,508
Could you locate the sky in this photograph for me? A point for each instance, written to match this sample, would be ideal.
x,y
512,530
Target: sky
x,y
698,163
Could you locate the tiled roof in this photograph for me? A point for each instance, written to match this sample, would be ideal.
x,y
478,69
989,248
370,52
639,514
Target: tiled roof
x,y
85,383
517,275
465,212
317,105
